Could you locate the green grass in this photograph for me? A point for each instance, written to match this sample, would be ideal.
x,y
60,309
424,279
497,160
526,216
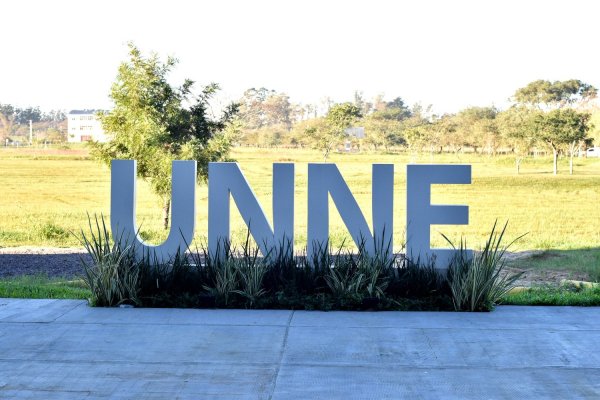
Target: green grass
x,y
42,287
46,194
551,296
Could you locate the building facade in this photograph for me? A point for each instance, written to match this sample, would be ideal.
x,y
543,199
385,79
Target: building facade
x,y
84,126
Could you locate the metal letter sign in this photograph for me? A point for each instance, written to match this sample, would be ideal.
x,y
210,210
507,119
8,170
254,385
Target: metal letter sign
x,y
183,206
420,214
324,179
226,180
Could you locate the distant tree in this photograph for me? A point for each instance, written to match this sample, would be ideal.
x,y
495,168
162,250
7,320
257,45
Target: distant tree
x,y
445,133
331,130
401,109
516,128
382,133
562,128
8,115
545,94
477,128
54,116
364,106
418,131
156,123
595,129
24,115
551,96
264,107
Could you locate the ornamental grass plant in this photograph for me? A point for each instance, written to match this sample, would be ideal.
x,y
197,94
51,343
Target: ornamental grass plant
x,y
112,275
328,279
478,282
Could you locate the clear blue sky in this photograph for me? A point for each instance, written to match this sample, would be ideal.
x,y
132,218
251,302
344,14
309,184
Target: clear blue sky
x,y
452,54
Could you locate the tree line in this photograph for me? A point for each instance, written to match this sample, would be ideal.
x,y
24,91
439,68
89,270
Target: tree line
x,y
544,116
48,126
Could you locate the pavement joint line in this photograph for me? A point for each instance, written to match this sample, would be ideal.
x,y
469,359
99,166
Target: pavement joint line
x,y
370,365
68,311
470,328
281,354
137,323
127,362
379,365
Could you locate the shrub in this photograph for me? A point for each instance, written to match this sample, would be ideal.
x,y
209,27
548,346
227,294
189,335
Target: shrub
x,y
477,283
325,280
113,276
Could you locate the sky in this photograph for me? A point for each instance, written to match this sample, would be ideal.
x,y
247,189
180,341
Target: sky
x,y
450,54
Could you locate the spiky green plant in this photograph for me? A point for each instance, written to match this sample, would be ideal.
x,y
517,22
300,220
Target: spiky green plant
x,y
251,272
113,276
221,273
477,283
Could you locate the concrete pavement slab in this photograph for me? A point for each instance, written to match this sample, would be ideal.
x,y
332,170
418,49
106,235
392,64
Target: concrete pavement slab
x,y
174,316
36,310
299,382
504,317
53,349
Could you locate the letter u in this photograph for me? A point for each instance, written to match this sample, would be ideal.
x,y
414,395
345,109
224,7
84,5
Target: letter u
x,y
183,209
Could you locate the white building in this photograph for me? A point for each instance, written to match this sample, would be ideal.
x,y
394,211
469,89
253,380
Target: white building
x,y
84,126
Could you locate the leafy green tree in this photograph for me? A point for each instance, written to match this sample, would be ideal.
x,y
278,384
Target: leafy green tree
x,y
331,130
8,115
595,130
545,94
516,128
156,123
263,107
382,132
24,115
416,128
562,128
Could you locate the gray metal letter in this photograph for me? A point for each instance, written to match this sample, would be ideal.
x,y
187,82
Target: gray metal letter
x,y
324,179
420,214
226,178
183,209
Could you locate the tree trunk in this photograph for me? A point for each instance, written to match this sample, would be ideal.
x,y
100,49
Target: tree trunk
x,y
166,209
555,156
571,164
518,162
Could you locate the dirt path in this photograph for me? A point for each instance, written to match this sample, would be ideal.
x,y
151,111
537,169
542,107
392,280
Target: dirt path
x,y
66,262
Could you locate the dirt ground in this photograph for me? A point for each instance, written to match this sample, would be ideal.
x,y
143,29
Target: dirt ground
x,y
67,262
536,276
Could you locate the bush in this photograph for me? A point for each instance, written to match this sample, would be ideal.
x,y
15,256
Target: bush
x,y
325,280
113,276
478,283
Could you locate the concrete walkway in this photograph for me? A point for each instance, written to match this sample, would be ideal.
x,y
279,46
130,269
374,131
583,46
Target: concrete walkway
x,y
62,349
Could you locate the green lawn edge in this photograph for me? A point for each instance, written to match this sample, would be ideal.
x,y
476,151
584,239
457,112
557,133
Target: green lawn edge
x,y
43,287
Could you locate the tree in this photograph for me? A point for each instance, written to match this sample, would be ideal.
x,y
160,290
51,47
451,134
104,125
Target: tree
x,y
152,123
331,130
477,127
516,128
24,115
382,132
545,94
562,128
263,107
552,96
8,115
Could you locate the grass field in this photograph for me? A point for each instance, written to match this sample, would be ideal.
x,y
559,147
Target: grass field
x,y
47,193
